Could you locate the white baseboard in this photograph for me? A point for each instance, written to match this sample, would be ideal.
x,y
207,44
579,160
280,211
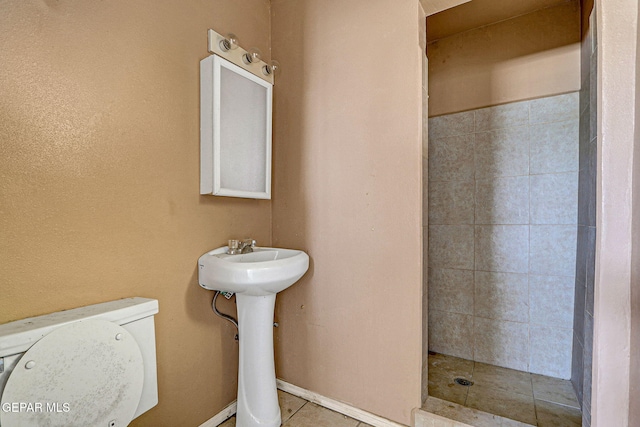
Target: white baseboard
x,y
334,405
221,416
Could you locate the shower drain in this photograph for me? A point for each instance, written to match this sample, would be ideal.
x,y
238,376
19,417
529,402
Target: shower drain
x,y
463,382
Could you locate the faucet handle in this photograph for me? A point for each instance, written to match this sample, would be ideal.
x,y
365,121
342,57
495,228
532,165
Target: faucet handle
x,y
233,247
249,242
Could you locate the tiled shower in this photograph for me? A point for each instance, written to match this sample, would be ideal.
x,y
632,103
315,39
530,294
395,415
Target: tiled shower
x,y
503,212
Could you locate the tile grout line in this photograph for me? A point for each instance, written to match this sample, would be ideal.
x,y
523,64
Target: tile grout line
x,y
298,410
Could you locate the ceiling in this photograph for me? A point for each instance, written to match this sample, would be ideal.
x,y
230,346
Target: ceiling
x,y
478,13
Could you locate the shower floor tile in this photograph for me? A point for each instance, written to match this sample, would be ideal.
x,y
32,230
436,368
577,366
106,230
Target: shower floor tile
x,y
528,398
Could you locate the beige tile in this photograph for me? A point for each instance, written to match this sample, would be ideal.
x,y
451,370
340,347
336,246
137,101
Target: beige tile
x,y
519,407
554,390
552,250
555,108
502,116
451,333
502,200
364,425
312,415
451,124
442,386
502,379
503,152
451,246
443,369
502,248
503,296
554,147
231,422
550,352
451,202
554,198
429,419
462,414
551,300
451,365
289,404
501,343
552,415
451,290
451,158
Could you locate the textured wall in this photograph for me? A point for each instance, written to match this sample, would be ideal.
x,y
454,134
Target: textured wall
x,y
616,308
99,167
347,189
530,56
503,189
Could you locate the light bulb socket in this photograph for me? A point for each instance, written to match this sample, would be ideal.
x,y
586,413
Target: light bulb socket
x,y
229,43
225,45
252,55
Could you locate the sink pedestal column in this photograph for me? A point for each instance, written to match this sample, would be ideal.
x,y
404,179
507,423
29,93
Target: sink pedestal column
x,y
257,393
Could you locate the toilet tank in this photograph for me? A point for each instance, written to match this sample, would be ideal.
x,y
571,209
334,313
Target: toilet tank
x,y
133,314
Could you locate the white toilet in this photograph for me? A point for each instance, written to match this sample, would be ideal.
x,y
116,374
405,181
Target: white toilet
x,y
90,366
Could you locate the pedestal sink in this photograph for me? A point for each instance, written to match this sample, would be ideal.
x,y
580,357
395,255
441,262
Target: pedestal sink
x,y
255,278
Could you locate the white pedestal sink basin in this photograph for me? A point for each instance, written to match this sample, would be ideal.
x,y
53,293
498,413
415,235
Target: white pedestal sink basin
x,y
255,277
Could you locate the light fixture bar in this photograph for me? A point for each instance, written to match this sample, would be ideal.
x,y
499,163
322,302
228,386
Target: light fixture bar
x,y
235,56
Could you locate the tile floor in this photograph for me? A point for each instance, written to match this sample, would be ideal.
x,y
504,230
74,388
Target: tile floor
x,y
528,398
297,412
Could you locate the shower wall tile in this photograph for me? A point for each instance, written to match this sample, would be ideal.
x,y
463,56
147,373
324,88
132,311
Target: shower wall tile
x,y
502,116
590,268
552,250
581,254
554,198
425,192
578,312
555,108
587,361
451,158
502,218
451,290
593,102
550,351
551,300
585,89
502,296
577,370
451,202
502,200
451,124
503,152
554,147
501,343
502,248
451,246
451,333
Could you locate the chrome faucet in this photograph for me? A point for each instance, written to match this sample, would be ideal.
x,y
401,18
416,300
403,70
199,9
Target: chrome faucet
x,y
241,247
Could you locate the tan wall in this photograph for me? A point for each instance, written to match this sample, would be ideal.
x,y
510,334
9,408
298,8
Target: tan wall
x,y
616,287
347,189
531,56
99,167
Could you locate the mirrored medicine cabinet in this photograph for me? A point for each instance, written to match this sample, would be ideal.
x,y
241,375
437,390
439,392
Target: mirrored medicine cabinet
x,y
235,130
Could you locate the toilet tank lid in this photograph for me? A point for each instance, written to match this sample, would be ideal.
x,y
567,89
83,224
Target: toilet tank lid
x,y
16,337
